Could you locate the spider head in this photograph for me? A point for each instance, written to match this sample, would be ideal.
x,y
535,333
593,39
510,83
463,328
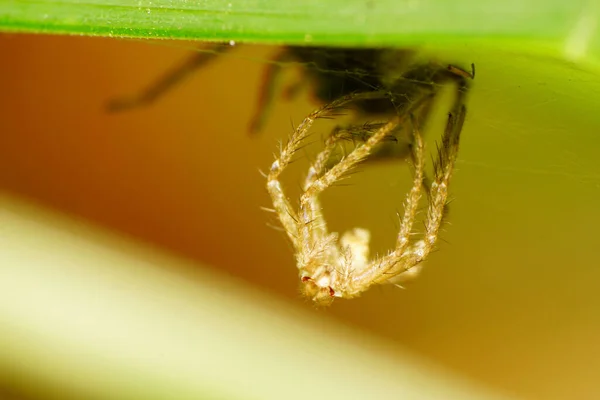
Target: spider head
x,y
318,291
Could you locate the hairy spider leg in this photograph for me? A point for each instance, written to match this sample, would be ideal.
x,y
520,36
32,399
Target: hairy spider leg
x,y
411,203
267,91
333,175
356,282
397,262
167,81
319,227
289,218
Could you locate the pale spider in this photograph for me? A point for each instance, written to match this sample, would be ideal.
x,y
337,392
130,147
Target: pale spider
x,y
331,265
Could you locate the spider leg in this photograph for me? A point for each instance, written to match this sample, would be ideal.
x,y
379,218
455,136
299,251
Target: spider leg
x,y
412,200
360,153
298,229
462,79
168,80
267,90
321,163
360,133
392,147
314,209
332,175
405,257
381,270
443,169
424,112
397,263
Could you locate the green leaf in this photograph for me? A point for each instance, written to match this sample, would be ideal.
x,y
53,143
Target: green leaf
x,y
341,22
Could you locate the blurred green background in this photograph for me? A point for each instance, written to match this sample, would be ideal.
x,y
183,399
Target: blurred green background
x,y
512,298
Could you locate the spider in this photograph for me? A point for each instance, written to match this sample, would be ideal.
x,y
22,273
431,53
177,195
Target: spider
x,y
331,265
382,82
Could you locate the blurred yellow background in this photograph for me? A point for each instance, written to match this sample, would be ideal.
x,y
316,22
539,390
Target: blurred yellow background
x,y
512,299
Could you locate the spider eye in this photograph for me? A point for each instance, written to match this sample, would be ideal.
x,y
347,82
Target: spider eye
x,y
331,291
306,279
